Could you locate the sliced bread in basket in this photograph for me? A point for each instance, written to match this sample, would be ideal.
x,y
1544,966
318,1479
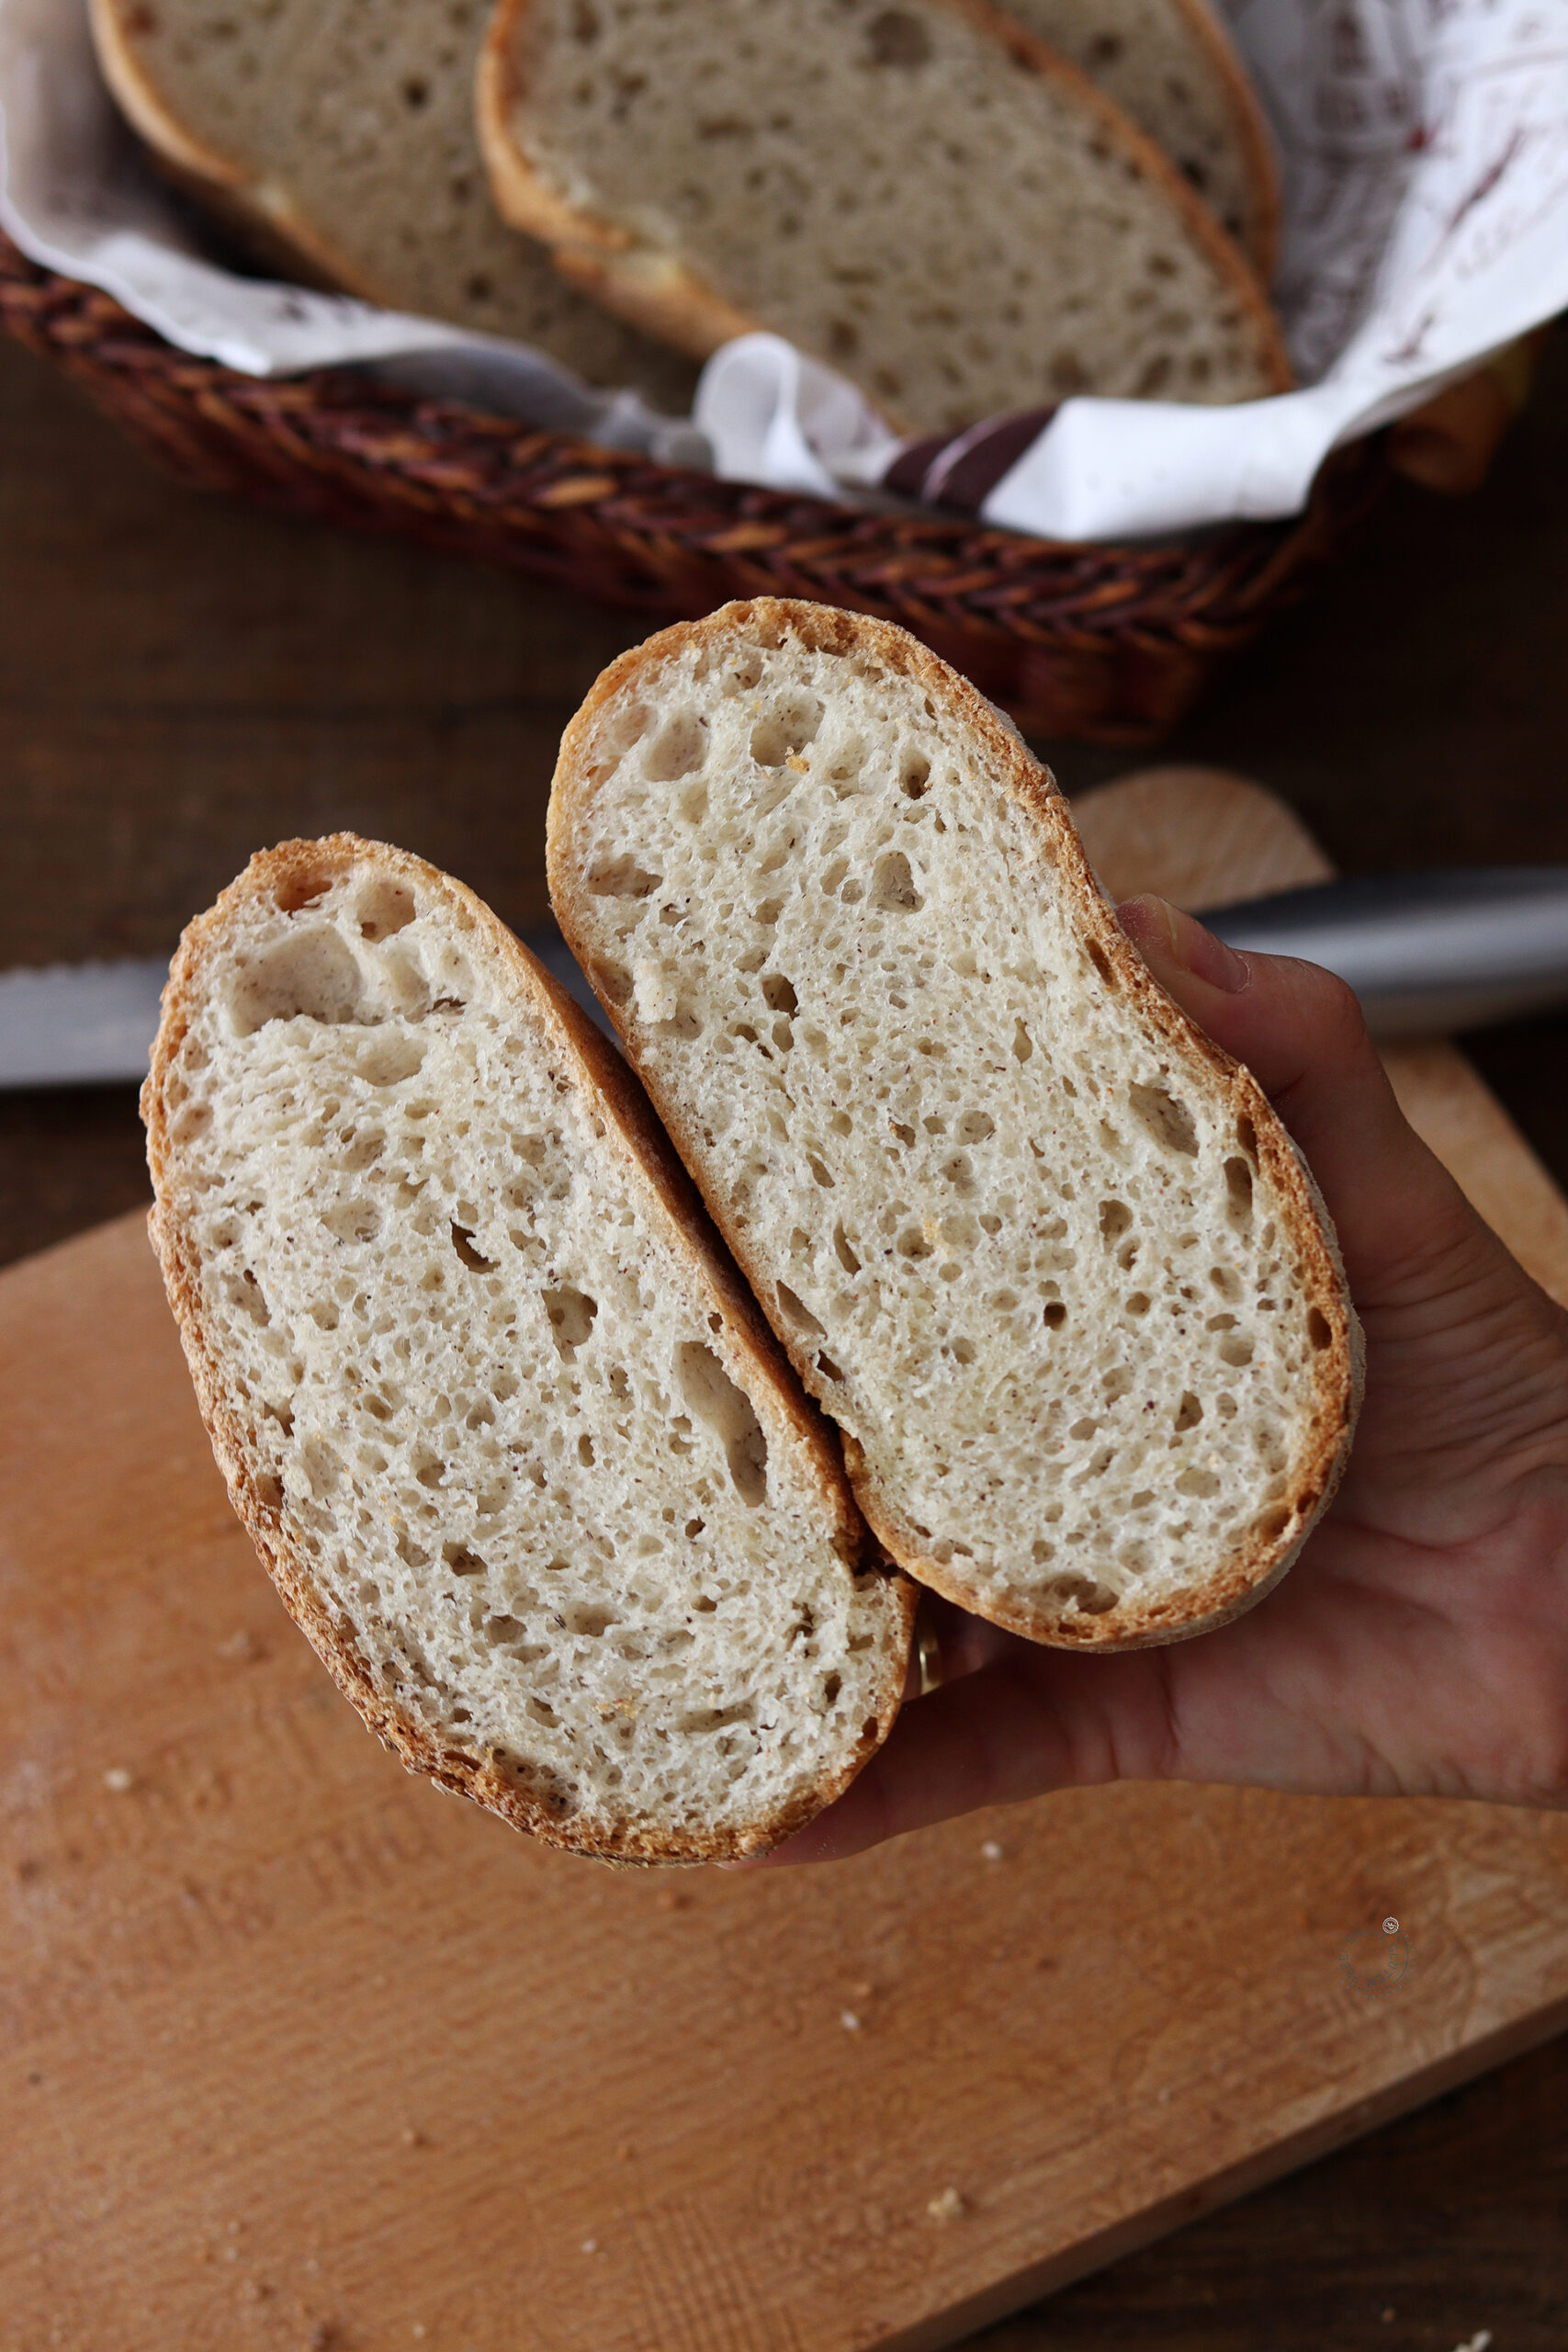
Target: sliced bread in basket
x,y
1044,1251
338,137
503,1423
925,197
1172,66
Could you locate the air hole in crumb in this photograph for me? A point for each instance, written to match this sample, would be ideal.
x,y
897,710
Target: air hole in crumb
x,y
352,1220
778,994
383,908
789,727
1115,1218
571,1313
386,1058
1056,1315
623,877
1168,1121
894,39
585,1450
843,1252
462,1562
728,1411
975,1126
1091,1599
828,1368
703,1719
311,976
463,1242
914,773
1270,1525
1238,1192
819,1171
892,888
1247,1136
833,1685
796,1312
1102,962
1189,1412
962,1350
1318,1330
1022,1043
303,889
679,749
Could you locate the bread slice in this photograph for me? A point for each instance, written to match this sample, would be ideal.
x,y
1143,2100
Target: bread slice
x,y
1041,1248
340,135
502,1420
1170,65
924,196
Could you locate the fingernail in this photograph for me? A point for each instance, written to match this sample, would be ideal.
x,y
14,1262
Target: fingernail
x,y
1160,930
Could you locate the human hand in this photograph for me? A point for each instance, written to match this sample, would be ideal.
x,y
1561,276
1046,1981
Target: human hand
x,y
1420,1645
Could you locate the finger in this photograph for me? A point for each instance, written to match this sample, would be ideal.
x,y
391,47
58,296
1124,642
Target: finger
x,y
1032,1721
1300,1031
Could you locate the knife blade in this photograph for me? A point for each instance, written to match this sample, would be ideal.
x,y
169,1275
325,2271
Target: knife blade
x,y
93,1024
1426,953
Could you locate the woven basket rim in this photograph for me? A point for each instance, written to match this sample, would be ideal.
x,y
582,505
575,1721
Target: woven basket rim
x,y
346,385
1098,638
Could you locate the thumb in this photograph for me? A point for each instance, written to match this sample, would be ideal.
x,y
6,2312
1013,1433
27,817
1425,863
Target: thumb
x,y
1300,1031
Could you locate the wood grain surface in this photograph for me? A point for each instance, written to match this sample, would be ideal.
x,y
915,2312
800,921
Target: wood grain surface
x,y
305,2050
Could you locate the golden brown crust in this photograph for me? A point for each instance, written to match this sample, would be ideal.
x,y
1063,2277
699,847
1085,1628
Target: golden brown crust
x,y
589,1063
1252,1567
659,293
1260,228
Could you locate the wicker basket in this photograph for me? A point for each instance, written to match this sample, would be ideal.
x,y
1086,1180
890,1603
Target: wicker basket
x,y
1109,643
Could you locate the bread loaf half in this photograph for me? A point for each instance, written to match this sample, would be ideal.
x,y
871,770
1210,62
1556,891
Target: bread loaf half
x,y
501,1419
1041,1248
339,136
923,197
1170,65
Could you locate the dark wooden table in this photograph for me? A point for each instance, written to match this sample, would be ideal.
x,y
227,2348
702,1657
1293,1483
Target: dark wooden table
x,y
183,679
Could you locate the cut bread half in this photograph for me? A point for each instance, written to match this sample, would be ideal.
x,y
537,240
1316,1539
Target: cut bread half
x,y
500,1417
1042,1250
1171,64
925,197
338,138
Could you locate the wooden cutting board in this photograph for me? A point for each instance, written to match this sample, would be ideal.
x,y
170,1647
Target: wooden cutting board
x,y
295,2051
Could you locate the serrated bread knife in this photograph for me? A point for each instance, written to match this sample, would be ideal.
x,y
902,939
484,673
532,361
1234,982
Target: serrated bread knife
x,y
93,1024
1426,953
